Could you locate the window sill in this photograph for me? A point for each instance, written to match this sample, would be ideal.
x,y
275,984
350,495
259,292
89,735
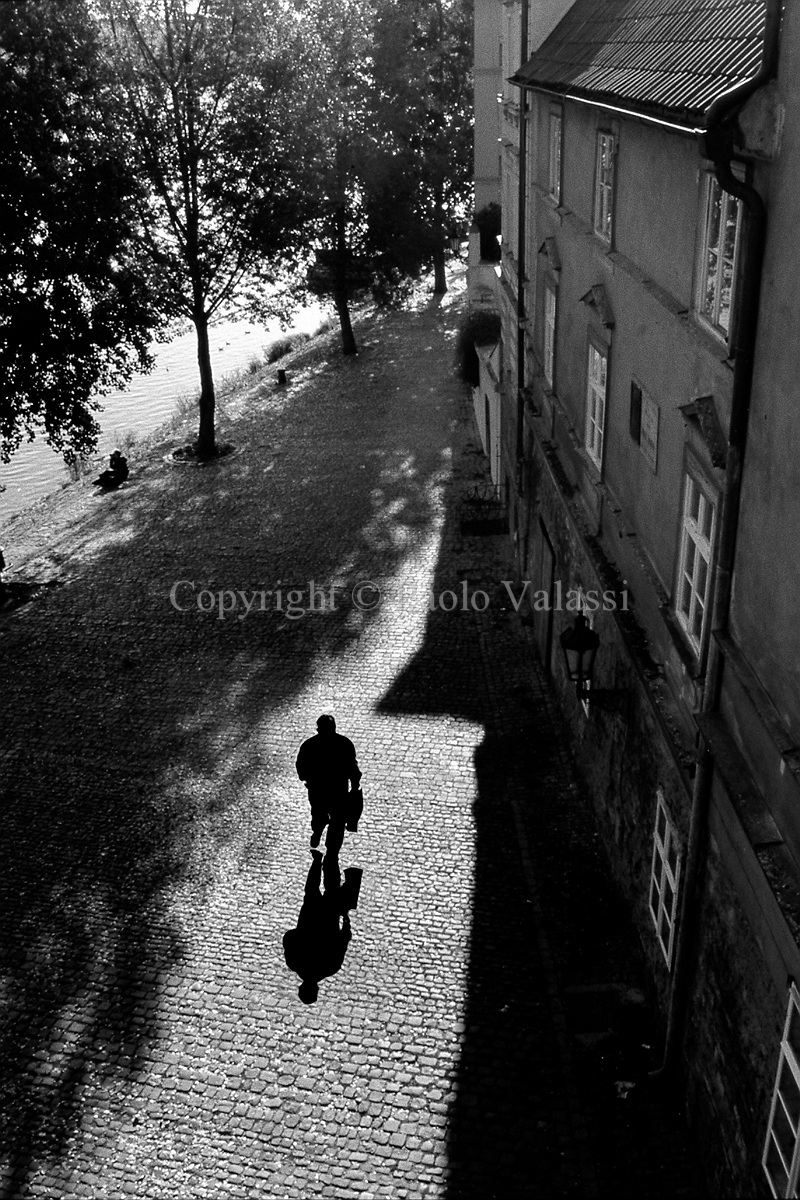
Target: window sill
x,y
714,341
595,468
606,243
690,659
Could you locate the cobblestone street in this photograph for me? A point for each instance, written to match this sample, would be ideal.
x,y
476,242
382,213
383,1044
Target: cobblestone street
x,y
489,1009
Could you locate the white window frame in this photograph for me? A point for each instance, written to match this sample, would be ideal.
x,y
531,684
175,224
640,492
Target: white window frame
x,y
718,258
550,309
605,156
698,526
665,874
784,1114
596,392
555,136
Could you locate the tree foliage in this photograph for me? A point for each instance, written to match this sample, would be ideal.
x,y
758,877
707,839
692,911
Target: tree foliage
x,y
163,158
338,46
215,106
423,102
394,153
75,319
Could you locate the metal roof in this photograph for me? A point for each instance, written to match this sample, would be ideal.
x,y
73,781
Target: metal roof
x,y
669,58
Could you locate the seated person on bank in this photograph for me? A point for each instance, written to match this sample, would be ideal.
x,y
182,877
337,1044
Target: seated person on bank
x,y
116,474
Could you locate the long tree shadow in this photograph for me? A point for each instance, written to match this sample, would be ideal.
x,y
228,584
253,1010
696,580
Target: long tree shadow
x,y
123,718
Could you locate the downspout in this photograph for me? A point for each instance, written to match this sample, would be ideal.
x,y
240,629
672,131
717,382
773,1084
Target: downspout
x,y
521,256
717,143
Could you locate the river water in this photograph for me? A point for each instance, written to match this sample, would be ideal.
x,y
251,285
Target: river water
x,y
148,402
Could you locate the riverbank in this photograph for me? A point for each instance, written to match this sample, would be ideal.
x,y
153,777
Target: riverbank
x,y
39,519
149,401
36,539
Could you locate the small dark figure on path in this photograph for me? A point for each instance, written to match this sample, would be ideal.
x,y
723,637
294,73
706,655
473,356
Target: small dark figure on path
x,y
3,588
327,764
316,948
116,474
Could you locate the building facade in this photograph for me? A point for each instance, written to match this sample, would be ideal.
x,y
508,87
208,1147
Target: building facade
x,y
647,407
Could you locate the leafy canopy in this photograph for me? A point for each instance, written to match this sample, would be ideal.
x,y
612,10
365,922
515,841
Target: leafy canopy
x,y
214,109
75,317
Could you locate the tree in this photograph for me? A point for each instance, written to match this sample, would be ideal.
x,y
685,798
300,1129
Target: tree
x,y
75,319
423,102
215,100
388,158
339,40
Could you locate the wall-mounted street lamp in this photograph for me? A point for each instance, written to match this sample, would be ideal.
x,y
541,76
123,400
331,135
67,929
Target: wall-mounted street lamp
x,y
580,643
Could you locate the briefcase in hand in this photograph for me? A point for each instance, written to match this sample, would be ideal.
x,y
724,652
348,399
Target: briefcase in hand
x,y
355,807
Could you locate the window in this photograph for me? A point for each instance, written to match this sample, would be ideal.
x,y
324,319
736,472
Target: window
x,y
596,404
604,185
781,1159
549,347
648,432
554,166
694,572
720,246
664,878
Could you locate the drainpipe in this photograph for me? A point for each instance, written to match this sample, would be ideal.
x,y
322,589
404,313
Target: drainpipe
x,y
521,256
717,144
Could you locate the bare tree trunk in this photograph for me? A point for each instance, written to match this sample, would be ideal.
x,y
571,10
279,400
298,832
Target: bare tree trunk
x,y
206,444
343,312
340,298
439,277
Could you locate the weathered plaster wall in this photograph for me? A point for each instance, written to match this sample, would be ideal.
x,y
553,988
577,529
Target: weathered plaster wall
x,y
622,747
733,1037
487,83
766,601
656,225
652,338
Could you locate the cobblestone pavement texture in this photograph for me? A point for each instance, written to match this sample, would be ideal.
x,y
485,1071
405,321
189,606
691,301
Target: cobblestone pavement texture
x,y
151,1036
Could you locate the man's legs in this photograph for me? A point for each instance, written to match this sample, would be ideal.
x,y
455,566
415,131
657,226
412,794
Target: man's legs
x,y
319,814
338,815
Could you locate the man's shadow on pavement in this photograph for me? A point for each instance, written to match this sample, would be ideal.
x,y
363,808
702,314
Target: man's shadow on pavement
x,y
316,948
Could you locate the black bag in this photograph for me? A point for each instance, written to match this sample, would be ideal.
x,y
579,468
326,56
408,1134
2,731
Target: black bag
x,y
351,888
355,807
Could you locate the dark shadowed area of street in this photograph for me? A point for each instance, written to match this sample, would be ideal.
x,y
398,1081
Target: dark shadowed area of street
x,y
485,1033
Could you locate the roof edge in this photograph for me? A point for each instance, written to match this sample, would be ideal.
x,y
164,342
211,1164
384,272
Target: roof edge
x,y
682,120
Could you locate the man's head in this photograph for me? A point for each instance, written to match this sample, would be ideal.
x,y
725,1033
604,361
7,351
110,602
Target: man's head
x,y
326,724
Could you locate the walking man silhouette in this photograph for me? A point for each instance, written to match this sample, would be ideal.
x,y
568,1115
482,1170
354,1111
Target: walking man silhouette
x,y
327,764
